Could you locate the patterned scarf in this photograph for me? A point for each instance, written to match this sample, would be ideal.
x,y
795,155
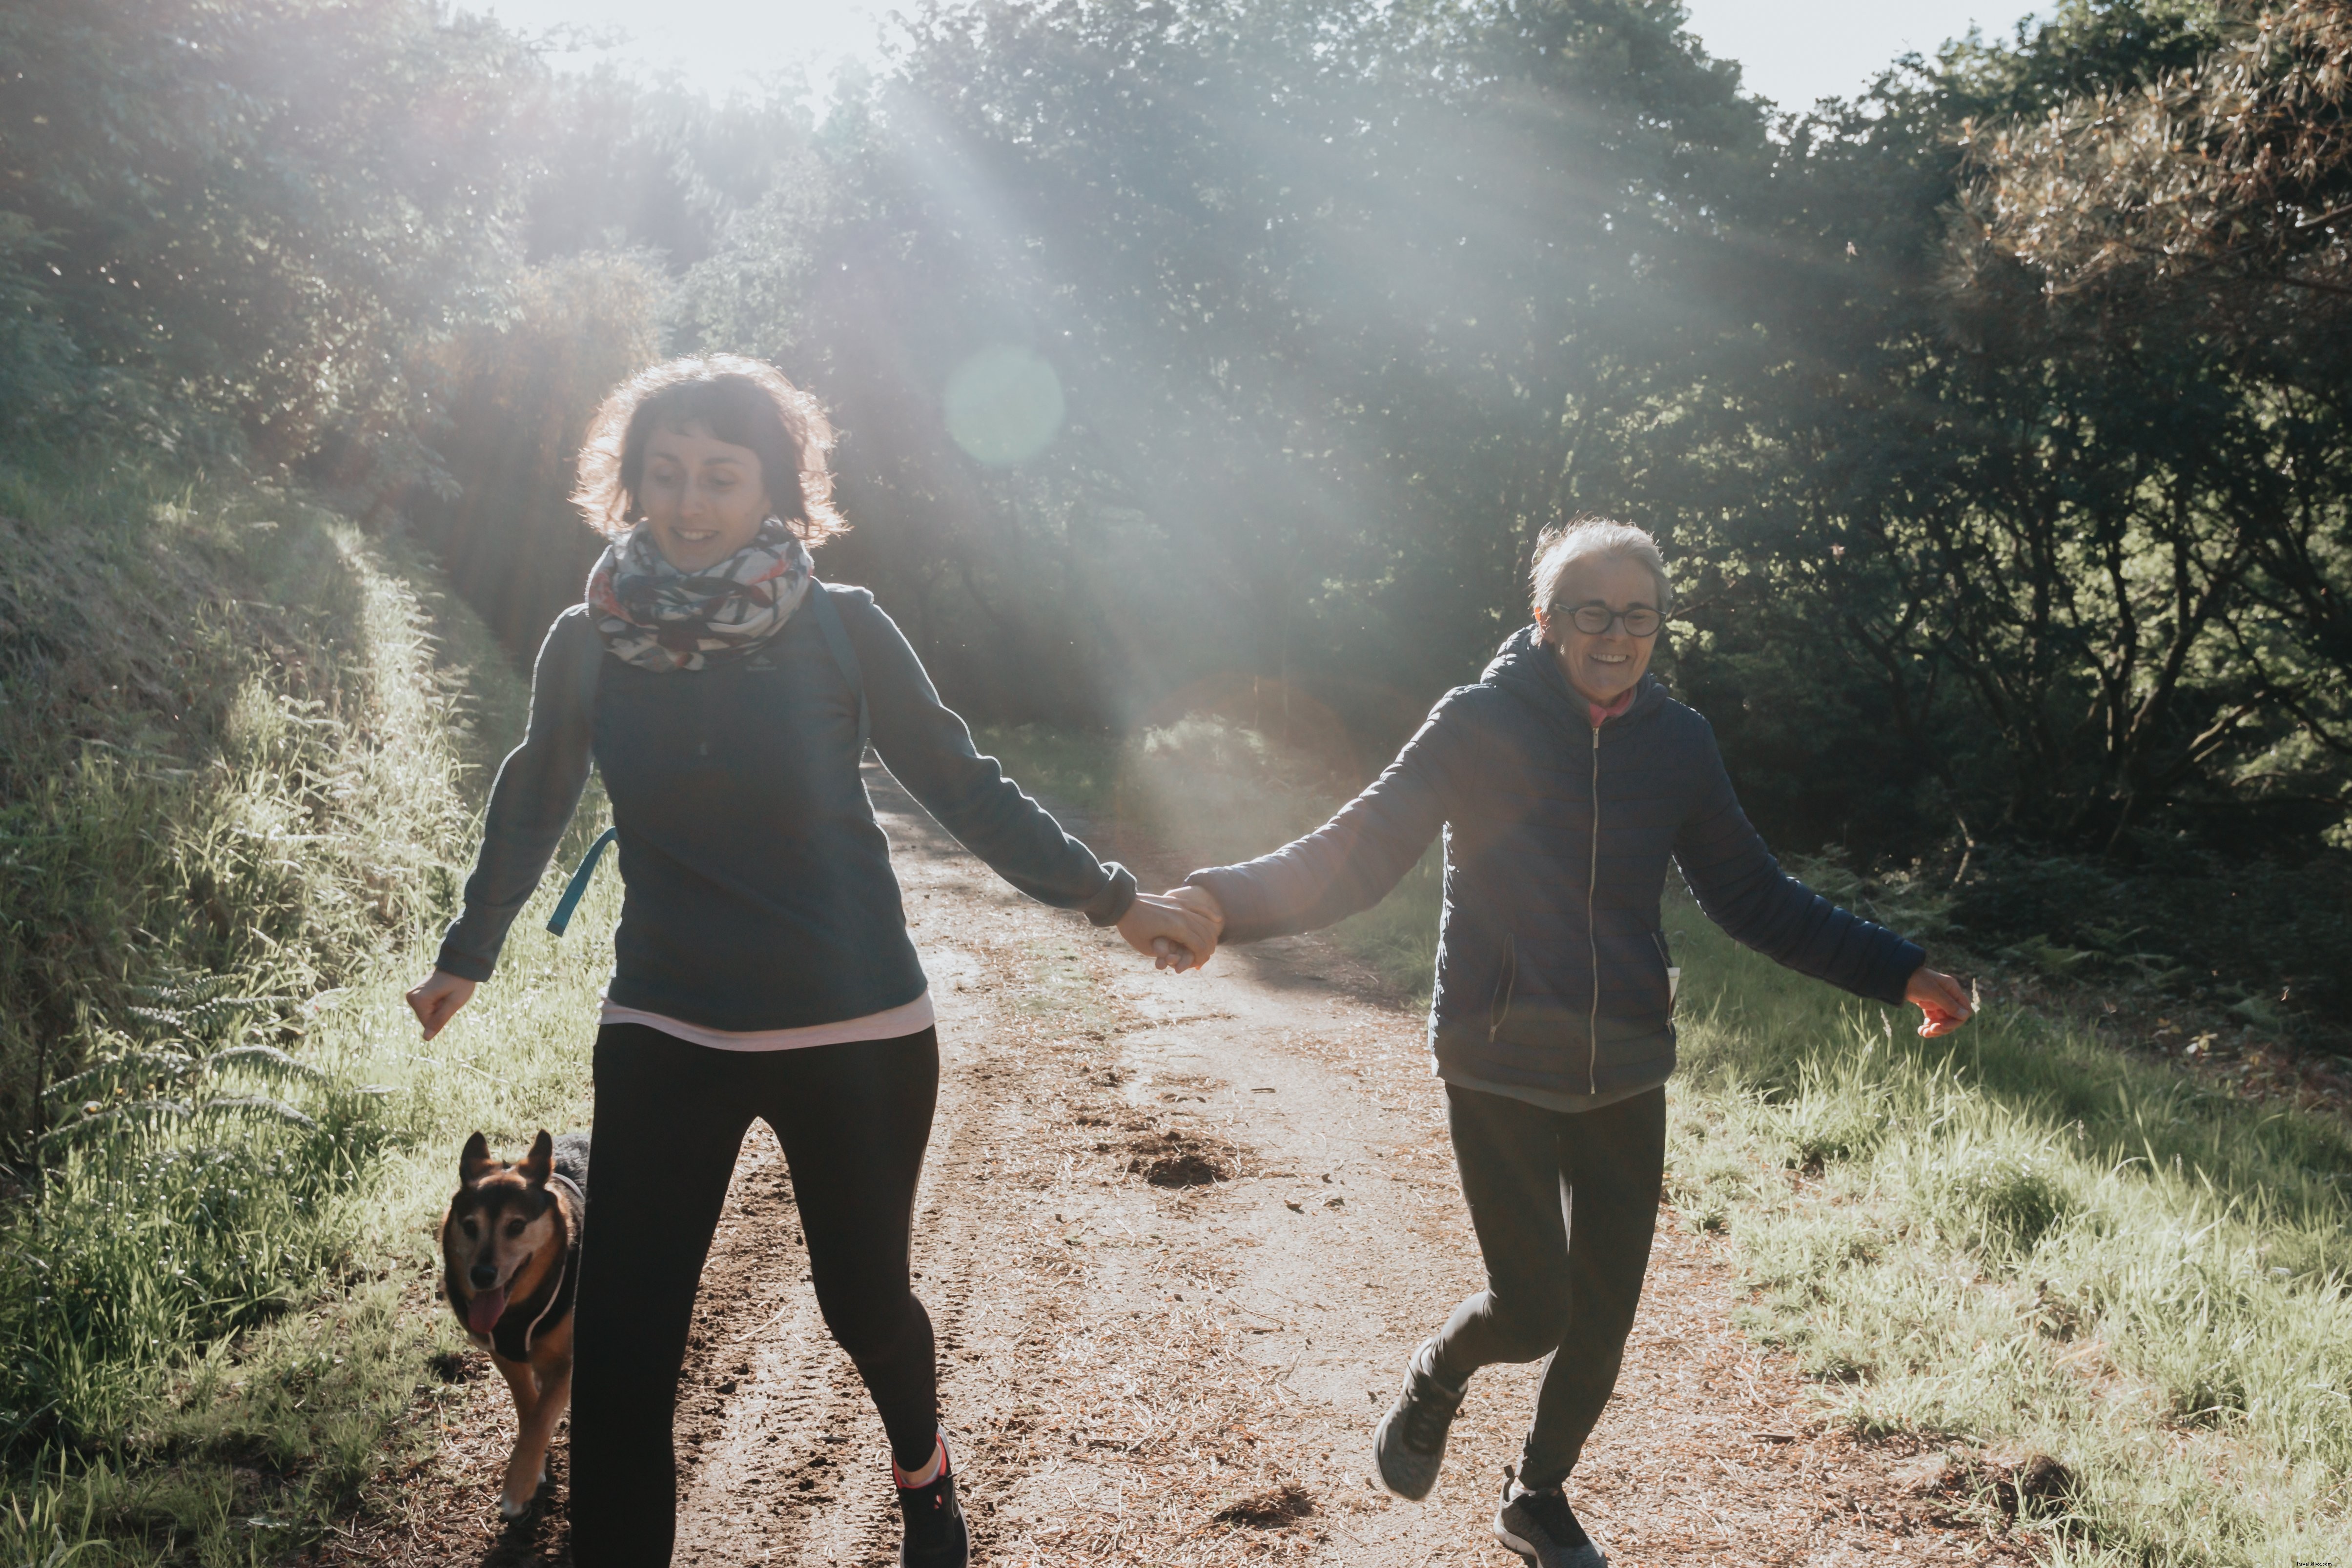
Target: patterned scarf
x,y
655,616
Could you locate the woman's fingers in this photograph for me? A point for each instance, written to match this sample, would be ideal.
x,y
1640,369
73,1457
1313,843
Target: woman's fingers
x,y
1200,901
1176,936
1942,998
436,1001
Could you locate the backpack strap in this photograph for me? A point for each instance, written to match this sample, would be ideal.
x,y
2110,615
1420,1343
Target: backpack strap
x,y
836,639
837,643
578,887
592,674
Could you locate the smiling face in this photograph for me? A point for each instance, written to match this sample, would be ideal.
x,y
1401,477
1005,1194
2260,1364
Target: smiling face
x,y
704,499
1603,665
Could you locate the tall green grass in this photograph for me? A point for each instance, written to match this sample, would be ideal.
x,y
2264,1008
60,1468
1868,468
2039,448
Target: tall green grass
x,y
245,747
2017,1238
2014,1241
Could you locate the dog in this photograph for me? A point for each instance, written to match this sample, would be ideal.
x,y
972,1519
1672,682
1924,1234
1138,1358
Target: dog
x,y
510,1268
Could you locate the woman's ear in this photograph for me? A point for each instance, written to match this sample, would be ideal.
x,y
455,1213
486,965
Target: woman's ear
x,y
1543,625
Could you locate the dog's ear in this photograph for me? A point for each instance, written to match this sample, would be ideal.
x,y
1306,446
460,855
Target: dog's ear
x,y
475,1160
537,1165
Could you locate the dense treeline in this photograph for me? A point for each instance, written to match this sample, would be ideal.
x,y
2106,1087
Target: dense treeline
x,y
1232,354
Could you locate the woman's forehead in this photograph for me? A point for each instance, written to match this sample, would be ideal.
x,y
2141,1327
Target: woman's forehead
x,y
1603,577
693,443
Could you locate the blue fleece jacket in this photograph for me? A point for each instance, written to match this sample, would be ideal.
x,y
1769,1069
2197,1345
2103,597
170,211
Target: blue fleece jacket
x,y
1551,961
759,888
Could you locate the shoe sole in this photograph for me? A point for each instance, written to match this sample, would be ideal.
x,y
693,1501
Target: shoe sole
x,y
1514,1544
1379,1443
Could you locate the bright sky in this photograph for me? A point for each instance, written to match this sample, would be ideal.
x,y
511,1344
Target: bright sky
x,y
715,44
1791,51
1795,51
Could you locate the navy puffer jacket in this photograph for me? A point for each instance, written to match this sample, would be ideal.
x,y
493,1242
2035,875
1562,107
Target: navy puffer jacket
x,y
1551,962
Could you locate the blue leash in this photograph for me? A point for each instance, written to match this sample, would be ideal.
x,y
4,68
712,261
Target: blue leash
x,y
579,885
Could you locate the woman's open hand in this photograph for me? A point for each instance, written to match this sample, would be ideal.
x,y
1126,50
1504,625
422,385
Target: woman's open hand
x,y
1943,999
436,1001
1178,933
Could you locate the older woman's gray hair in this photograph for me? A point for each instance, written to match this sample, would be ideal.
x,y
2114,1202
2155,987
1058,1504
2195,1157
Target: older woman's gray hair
x,y
1563,546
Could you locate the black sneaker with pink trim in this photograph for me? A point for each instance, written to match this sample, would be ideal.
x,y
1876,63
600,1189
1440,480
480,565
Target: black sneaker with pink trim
x,y
935,1536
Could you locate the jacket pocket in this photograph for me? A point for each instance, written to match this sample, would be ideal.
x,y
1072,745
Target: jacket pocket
x,y
1498,1006
1674,975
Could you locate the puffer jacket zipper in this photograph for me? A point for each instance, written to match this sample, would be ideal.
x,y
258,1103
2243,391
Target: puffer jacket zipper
x,y
1591,934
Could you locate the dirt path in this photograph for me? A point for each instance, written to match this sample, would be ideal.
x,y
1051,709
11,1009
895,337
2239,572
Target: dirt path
x,y
1177,1235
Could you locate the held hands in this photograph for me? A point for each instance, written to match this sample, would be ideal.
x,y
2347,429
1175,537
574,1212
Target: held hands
x,y
1943,999
1178,928
436,1001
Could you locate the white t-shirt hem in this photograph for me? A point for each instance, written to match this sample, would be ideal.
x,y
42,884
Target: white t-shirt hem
x,y
890,1024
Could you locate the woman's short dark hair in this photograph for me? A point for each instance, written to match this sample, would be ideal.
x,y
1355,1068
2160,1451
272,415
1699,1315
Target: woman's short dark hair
x,y
742,401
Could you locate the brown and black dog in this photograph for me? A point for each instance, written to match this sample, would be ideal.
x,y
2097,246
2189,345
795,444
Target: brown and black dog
x,y
511,1266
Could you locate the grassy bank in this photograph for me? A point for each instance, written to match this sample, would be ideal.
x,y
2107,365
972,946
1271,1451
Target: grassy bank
x,y
2016,1244
244,746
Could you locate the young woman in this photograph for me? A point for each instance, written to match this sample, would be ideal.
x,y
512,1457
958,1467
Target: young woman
x,y
762,967
1563,779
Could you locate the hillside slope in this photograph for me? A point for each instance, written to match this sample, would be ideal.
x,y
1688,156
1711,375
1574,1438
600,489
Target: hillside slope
x,y
243,745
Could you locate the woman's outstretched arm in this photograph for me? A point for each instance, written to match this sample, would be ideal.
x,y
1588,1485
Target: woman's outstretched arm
x,y
927,747
1351,861
1742,888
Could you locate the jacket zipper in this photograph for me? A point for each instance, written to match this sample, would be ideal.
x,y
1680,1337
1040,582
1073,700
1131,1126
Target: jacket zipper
x,y
1591,888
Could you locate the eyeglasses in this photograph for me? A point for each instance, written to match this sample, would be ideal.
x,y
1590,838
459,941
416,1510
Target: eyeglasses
x,y
1595,619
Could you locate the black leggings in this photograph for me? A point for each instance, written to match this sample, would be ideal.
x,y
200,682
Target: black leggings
x,y
853,1120
1564,1204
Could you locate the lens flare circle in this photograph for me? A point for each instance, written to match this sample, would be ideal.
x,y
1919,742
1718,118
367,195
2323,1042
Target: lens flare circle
x,y
1005,405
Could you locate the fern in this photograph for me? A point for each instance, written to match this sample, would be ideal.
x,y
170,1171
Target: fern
x,y
134,1088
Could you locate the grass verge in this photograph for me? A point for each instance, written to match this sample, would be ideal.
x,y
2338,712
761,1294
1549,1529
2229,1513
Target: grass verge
x,y
244,745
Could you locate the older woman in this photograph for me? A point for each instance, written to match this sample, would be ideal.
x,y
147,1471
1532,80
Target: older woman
x,y
1564,780
762,967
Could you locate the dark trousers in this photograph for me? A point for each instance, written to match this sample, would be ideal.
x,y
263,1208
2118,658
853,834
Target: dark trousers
x,y
1564,1204
853,1121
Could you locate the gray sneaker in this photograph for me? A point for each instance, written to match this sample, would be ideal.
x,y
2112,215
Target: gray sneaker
x,y
1410,1441
1540,1527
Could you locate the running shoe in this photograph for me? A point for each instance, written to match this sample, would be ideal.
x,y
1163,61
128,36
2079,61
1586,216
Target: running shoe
x,y
1410,1442
935,1536
1540,1527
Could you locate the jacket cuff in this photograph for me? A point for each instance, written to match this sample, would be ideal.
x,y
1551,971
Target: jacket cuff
x,y
1236,900
1109,906
464,966
1903,960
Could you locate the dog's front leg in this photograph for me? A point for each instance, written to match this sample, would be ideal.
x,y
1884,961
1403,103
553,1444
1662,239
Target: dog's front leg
x,y
522,1484
527,1468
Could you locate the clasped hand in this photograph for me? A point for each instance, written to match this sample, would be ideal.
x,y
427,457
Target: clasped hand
x,y
1178,928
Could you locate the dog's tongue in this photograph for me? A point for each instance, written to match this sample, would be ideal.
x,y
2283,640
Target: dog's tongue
x,y
482,1314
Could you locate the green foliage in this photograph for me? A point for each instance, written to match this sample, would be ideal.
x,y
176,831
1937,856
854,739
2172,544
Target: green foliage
x,y
204,686
235,224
